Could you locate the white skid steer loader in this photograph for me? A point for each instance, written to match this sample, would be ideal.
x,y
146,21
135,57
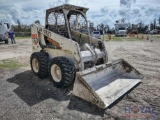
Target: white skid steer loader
x,y
68,55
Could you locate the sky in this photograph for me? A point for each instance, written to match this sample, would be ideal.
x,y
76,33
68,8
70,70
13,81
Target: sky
x,y
100,11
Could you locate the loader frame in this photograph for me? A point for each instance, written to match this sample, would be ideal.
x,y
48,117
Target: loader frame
x,y
69,56
69,46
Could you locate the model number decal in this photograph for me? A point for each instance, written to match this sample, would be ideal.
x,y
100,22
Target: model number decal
x,y
44,31
34,36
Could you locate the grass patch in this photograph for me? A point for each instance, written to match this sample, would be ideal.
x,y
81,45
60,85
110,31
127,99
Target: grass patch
x,y
9,64
155,36
22,37
128,38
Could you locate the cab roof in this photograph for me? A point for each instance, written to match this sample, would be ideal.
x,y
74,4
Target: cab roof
x,y
59,9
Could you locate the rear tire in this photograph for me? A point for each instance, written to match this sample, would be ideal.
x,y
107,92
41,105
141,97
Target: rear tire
x,y
39,64
6,41
62,72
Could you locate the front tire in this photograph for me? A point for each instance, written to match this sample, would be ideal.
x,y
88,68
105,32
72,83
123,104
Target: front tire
x,y
62,72
39,64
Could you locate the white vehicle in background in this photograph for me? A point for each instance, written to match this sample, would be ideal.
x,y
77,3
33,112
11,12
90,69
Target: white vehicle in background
x,y
4,29
154,31
96,34
84,31
121,29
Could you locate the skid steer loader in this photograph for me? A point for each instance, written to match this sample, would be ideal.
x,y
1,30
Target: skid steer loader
x,y
70,56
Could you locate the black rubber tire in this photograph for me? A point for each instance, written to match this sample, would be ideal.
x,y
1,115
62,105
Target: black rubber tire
x,y
6,41
43,59
67,70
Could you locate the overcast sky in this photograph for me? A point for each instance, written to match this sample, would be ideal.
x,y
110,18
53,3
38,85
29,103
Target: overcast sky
x,y
100,11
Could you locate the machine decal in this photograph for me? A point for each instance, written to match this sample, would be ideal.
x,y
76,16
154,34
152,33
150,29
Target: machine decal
x,y
45,32
34,36
53,42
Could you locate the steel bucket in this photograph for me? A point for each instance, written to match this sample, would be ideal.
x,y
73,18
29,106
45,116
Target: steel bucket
x,y
104,84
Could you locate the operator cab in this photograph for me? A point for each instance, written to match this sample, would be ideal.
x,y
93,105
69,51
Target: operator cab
x,y
68,21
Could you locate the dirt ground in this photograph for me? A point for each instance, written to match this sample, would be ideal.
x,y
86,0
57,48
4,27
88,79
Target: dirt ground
x,y
23,96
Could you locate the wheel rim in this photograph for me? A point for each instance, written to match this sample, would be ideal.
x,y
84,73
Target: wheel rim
x,y
56,73
35,65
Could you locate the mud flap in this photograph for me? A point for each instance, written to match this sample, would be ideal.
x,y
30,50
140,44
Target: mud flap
x,y
104,84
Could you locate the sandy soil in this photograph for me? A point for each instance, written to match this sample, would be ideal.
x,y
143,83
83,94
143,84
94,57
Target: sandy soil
x,y
24,96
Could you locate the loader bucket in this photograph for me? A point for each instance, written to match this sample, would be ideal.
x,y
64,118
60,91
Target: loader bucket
x,y
104,84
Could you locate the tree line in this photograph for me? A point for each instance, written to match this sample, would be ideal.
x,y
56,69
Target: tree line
x,y
20,27
25,30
